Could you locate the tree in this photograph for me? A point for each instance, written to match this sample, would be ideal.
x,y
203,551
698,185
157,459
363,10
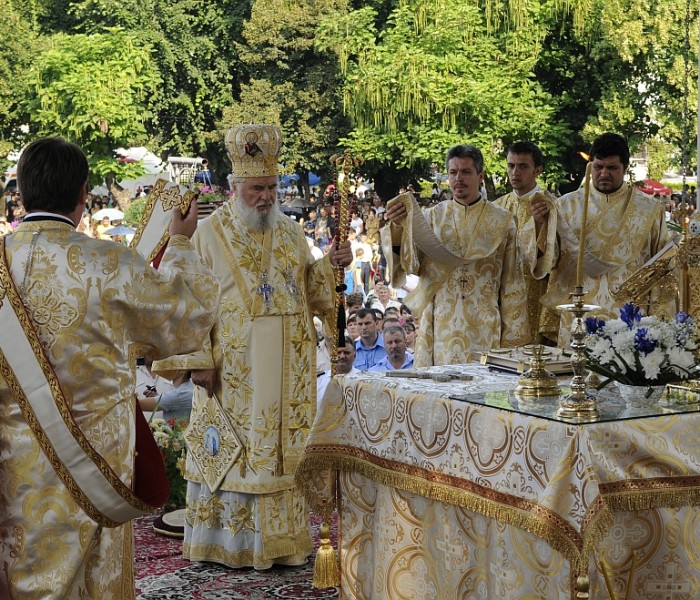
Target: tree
x,y
643,95
288,81
16,55
425,82
96,91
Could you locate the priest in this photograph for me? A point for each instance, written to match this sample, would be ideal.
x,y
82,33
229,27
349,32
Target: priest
x,y
256,378
535,217
471,295
624,229
75,311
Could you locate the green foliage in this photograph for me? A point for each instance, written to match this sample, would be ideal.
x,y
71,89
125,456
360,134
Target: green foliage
x,y
94,90
16,54
290,81
396,81
134,213
426,82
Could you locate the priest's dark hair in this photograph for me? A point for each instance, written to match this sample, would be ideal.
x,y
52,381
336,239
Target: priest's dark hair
x,y
611,144
527,147
50,174
465,151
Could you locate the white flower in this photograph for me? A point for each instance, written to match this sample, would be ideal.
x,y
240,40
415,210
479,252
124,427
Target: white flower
x,y
613,349
651,363
162,439
623,342
602,350
680,361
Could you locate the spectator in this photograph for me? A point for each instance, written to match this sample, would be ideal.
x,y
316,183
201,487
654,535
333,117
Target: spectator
x,y
344,366
175,403
397,357
369,348
383,299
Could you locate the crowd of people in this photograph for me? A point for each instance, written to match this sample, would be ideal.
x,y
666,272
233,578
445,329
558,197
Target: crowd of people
x,y
229,316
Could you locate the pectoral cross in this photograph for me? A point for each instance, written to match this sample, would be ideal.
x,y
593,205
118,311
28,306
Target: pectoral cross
x,y
265,290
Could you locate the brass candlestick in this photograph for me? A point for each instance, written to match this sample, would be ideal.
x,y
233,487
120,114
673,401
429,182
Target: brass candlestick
x,y
578,406
537,381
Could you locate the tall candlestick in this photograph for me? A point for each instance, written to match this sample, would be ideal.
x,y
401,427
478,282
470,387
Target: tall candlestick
x,y
584,218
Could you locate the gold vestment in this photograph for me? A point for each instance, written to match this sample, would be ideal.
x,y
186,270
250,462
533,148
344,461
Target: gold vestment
x,y
538,250
475,306
265,358
624,230
95,305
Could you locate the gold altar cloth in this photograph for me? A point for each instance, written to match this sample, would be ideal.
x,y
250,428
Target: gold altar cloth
x,y
500,480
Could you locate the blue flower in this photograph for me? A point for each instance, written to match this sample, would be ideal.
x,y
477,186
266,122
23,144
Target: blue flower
x,y
643,343
593,325
630,314
683,318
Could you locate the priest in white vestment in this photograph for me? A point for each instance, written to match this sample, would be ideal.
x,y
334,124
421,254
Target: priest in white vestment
x,y
624,229
258,373
471,295
535,215
94,306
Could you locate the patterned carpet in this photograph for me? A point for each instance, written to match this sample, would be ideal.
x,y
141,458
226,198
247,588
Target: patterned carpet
x,y
162,574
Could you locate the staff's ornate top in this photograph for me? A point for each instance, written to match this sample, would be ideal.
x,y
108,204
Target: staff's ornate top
x,y
254,149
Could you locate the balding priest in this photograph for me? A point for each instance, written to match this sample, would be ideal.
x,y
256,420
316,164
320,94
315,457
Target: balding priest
x,y
255,394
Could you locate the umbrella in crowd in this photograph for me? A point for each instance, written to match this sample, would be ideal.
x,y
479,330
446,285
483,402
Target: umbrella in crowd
x,y
120,230
113,214
651,187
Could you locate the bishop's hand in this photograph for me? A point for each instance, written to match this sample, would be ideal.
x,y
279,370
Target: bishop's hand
x,y
342,255
205,378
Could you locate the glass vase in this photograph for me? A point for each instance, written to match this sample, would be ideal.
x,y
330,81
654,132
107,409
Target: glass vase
x,y
640,396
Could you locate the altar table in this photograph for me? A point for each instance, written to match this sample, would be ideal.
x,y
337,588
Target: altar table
x,y
461,489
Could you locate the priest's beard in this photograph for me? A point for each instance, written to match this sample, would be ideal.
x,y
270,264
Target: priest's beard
x,y
252,218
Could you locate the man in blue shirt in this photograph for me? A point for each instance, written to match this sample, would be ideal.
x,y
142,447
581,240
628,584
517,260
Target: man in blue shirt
x,y
395,344
369,347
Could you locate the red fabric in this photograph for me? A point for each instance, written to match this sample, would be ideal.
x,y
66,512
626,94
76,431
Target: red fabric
x,y
159,256
150,480
651,187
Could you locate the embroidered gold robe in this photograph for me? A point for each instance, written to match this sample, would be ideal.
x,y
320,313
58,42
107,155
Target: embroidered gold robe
x,y
94,304
624,230
265,359
538,251
475,306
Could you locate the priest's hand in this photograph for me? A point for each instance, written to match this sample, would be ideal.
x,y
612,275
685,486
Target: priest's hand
x,y
539,209
184,225
205,379
395,211
342,255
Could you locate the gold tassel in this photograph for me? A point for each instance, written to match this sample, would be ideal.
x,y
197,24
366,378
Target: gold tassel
x,y
326,568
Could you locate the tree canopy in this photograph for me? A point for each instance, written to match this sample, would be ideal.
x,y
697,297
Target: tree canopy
x,y
396,81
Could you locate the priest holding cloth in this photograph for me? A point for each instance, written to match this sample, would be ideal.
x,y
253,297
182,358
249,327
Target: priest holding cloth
x,y
75,313
472,294
255,380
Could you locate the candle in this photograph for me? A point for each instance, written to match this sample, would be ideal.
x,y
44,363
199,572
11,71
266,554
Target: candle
x,y
582,234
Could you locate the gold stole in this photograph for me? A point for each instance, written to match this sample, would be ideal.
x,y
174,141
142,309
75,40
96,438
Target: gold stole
x,y
90,480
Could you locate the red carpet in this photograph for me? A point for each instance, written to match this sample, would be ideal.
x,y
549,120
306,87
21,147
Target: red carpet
x,y
162,574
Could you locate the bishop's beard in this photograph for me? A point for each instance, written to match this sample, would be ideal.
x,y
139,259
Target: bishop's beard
x,y
252,218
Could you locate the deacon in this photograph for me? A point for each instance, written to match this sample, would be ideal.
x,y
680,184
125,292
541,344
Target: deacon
x,y
74,310
624,229
471,295
535,218
258,371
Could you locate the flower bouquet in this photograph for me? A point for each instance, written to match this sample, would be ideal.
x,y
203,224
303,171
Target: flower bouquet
x,y
169,436
642,351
